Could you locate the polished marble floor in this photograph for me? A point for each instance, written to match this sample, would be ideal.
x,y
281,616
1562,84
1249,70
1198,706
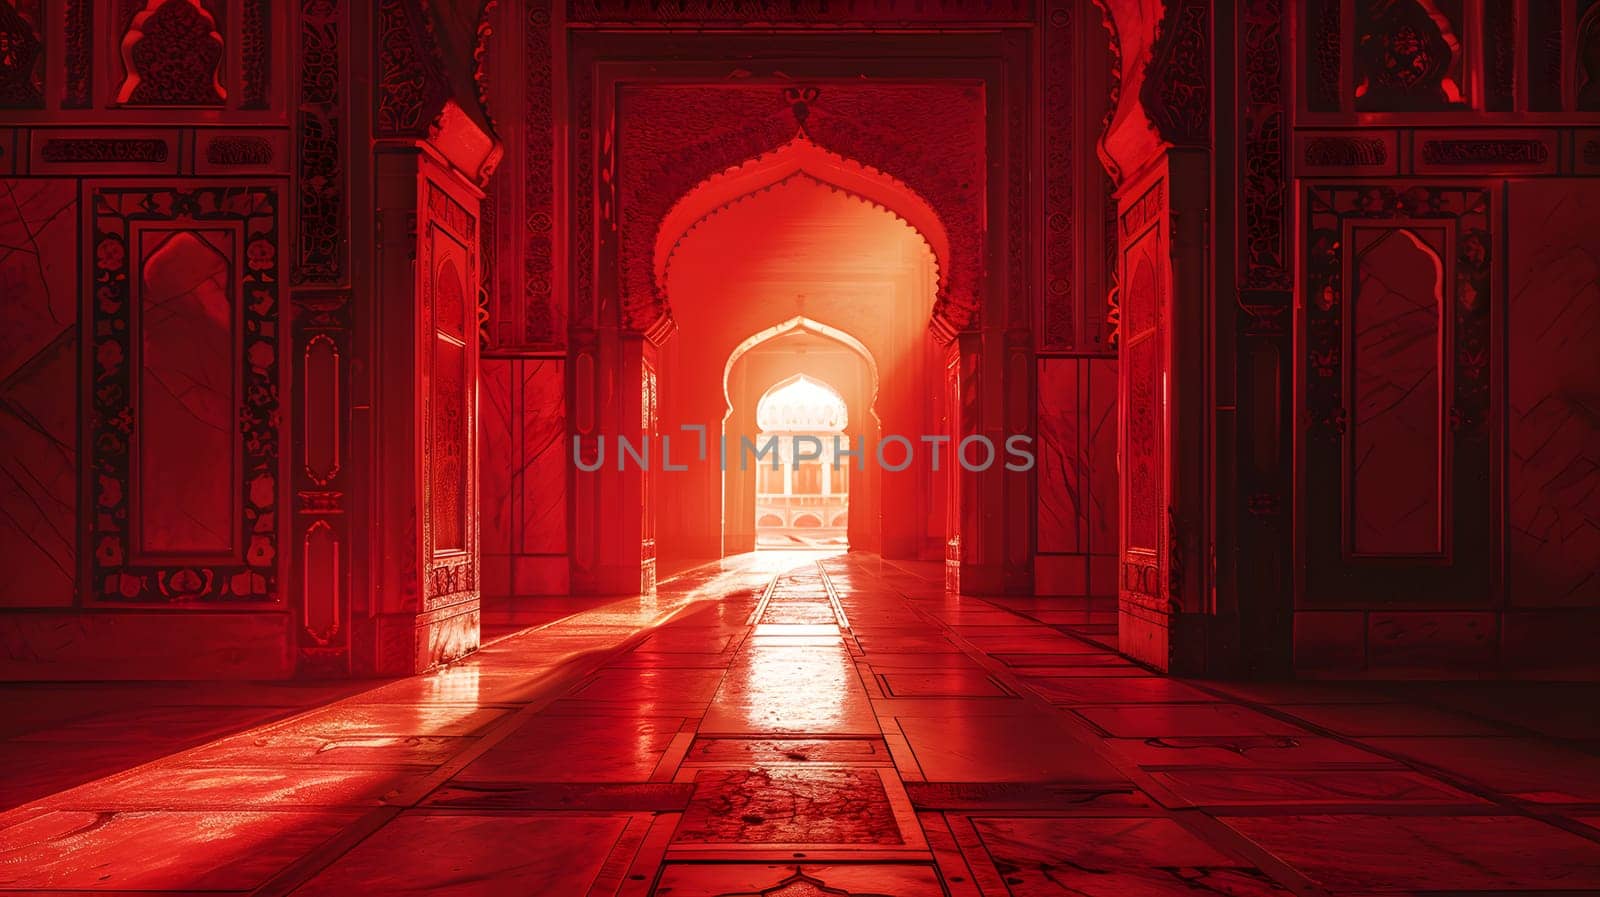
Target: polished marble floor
x,y
793,724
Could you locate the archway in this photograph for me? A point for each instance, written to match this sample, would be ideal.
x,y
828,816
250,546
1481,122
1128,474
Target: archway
x,y
795,352
802,500
799,260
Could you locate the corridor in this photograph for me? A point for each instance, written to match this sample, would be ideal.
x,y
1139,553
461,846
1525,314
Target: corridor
x,y
806,724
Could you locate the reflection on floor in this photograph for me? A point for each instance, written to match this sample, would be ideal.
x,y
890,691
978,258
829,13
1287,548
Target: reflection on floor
x,y
799,725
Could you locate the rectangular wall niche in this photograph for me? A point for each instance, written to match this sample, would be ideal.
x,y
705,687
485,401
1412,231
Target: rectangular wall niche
x,y
447,272
181,382
1397,383
187,449
1399,340
449,475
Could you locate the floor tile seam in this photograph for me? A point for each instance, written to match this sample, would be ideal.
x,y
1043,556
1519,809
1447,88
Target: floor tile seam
x,y
1137,773
351,837
191,757
1083,731
853,660
1513,804
892,770
1079,726
1214,831
839,615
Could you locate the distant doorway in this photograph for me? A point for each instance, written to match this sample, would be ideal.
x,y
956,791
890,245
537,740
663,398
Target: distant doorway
x,y
802,499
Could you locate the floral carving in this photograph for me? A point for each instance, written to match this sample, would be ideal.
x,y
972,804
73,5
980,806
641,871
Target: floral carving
x,y
762,12
173,56
1323,80
1177,91
1405,57
1265,139
541,309
408,84
239,151
112,403
80,37
255,51
1344,152
320,161
1485,152
21,56
1057,330
103,149
928,138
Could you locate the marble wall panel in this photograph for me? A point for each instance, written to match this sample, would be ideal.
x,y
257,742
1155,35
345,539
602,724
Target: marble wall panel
x,y
543,490
1429,640
187,497
497,453
1396,347
1100,432
70,645
1077,476
38,391
1553,474
1063,481
523,476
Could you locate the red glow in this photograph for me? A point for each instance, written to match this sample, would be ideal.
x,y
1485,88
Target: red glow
x,y
1292,306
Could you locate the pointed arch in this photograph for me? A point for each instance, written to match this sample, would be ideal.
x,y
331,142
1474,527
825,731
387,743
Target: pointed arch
x,y
802,386
803,324
799,157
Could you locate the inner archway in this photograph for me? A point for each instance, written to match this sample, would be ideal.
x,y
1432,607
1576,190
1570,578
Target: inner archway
x,y
802,499
797,360
764,286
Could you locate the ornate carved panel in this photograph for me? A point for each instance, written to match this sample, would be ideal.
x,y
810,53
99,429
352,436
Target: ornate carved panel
x,y
1486,152
21,55
320,153
447,266
1262,470
959,309
322,328
1588,59
762,13
1500,54
1177,89
200,263
255,52
136,152
1343,154
928,137
172,54
1414,58
79,53
1398,332
1543,61
1324,61
1408,56
1057,330
1264,249
409,86
1143,373
543,313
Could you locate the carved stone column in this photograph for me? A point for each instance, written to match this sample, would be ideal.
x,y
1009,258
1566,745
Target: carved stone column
x,y
1157,147
425,407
